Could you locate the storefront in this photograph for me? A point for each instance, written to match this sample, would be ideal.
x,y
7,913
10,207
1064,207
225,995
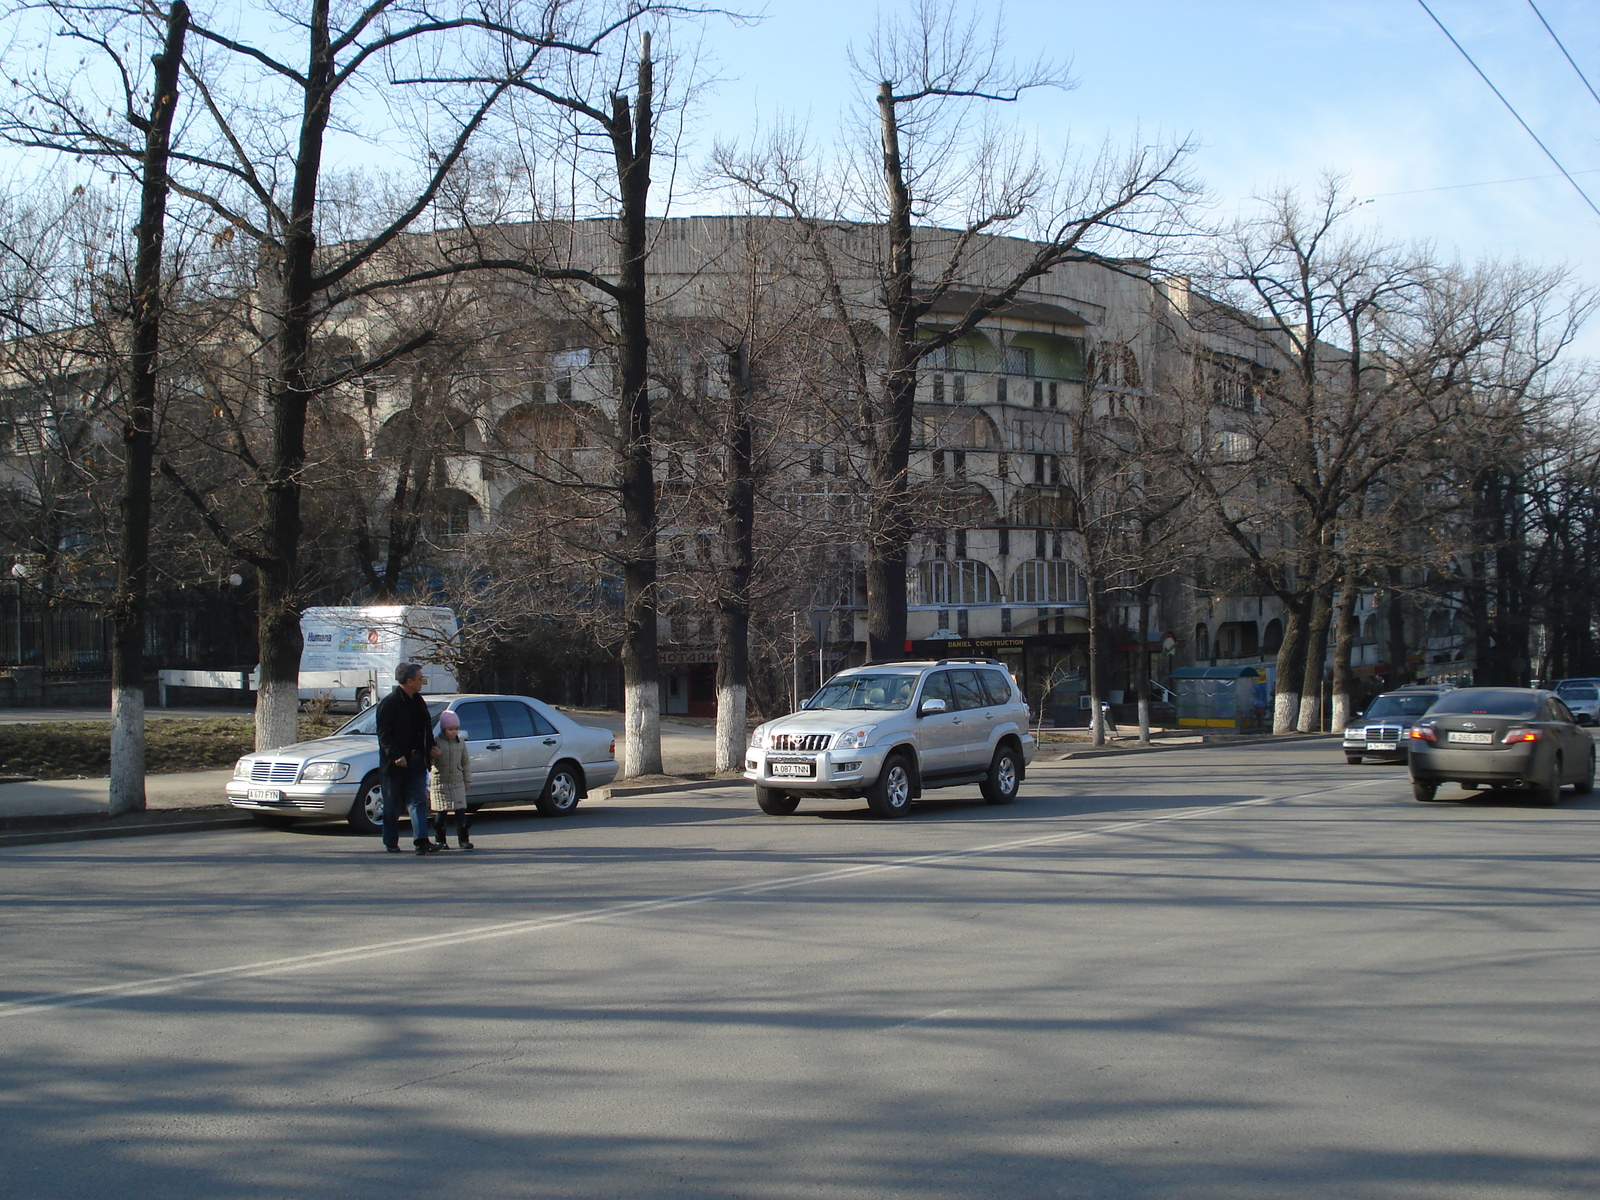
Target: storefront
x,y
688,682
1050,667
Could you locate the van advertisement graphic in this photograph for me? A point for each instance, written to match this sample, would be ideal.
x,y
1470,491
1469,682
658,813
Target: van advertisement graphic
x,y
343,648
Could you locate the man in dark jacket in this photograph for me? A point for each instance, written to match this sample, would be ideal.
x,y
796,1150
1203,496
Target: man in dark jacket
x,y
405,748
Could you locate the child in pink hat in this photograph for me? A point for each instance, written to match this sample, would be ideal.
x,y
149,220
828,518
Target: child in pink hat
x,y
451,775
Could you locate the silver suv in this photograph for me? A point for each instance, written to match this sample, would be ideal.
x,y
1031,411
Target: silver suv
x,y
890,730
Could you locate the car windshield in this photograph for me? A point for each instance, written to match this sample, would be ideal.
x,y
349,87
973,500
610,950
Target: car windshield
x,y
882,693
1578,692
1493,702
367,722
1401,706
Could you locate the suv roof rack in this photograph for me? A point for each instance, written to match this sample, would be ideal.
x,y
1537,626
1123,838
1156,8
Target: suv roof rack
x,y
989,662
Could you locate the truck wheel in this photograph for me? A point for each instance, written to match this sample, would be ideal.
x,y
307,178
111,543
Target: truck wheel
x,y
890,796
561,791
775,803
366,814
364,700
1001,785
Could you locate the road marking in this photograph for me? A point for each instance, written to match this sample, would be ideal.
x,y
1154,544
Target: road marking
x,y
933,1016
165,984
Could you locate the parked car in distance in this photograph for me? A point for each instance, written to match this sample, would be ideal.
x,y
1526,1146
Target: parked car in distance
x,y
1494,737
521,749
1582,697
1382,731
891,730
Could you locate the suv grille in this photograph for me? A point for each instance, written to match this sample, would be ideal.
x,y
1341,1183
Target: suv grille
x,y
274,772
801,741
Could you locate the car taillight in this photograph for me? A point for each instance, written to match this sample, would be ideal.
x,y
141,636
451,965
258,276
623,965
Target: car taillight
x,y
1520,735
612,753
1423,733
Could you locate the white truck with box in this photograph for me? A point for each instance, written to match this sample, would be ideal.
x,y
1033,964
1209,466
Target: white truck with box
x,y
350,653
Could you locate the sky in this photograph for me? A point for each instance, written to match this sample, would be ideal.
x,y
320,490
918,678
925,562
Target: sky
x,y
1272,92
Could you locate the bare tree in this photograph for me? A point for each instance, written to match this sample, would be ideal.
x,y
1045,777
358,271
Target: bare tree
x,y
935,159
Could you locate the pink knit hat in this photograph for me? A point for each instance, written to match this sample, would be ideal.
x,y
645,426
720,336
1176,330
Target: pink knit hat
x,y
449,721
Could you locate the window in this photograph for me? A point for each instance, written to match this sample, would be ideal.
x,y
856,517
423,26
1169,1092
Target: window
x,y
960,382
1000,391
938,389
516,720
969,692
1202,642
477,723
998,686
937,687
1047,581
1017,360
1113,365
954,583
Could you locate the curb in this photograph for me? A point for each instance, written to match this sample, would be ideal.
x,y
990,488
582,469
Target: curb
x,y
44,832
652,789
1253,740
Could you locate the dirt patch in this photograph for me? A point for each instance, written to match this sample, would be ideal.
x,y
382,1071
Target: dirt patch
x,y
82,749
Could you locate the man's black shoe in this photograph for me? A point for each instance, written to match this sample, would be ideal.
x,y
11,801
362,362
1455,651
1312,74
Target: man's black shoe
x,y
392,849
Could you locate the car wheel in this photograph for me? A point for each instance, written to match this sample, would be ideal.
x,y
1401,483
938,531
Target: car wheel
x,y
366,814
560,795
890,796
1001,785
1585,784
273,820
1353,759
1424,791
775,803
1548,794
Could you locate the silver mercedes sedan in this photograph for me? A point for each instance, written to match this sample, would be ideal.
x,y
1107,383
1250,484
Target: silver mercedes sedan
x,y
521,749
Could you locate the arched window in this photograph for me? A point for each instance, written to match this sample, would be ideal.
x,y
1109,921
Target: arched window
x,y
1271,637
1112,364
1047,581
437,430
1202,642
954,583
450,516
546,427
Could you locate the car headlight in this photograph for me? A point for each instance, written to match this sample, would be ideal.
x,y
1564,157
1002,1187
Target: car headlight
x,y
328,772
855,739
241,769
758,737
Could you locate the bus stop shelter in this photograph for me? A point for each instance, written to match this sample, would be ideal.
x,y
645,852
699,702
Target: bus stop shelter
x,y
1219,697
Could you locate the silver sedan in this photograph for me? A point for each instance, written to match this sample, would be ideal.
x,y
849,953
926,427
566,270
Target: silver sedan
x,y
521,749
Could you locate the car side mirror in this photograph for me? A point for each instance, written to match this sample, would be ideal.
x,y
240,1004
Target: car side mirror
x,y
930,706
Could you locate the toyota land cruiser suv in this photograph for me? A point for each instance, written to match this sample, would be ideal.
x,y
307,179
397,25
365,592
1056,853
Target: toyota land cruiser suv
x,y
890,730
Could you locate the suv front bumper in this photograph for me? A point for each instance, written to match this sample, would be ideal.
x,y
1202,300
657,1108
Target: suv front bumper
x,y
829,770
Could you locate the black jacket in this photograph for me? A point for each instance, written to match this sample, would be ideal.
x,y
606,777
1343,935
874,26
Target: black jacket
x,y
404,728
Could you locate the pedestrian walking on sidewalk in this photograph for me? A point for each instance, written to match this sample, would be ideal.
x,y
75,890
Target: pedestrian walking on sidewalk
x,y
452,773
406,748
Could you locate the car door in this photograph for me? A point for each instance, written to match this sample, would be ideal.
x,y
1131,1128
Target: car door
x,y
938,734
975,717
478,731
529,744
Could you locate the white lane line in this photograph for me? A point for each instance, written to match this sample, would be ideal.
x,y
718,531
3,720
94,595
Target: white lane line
x,y
278,966
923,1020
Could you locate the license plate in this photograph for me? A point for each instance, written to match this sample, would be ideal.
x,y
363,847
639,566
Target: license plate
x,y
269,795
793,770
1472,739
1383,746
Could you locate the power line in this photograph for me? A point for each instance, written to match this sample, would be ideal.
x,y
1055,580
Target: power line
x,y
1510,108
1561,44
1450,187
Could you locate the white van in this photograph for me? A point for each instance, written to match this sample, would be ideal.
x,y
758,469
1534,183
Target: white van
x,y
350,653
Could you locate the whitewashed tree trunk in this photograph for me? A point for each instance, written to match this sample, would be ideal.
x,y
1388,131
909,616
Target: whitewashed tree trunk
x,y
1285,711
1340,713
277,714
1310,712
127,751
641,729
733,734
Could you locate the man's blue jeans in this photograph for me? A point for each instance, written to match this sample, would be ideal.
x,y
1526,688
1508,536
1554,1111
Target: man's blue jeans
x,y
408,787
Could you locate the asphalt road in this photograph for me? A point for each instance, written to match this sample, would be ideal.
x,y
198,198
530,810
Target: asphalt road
x,y
1227,974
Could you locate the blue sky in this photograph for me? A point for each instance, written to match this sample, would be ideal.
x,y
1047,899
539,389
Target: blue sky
x,y
1274,92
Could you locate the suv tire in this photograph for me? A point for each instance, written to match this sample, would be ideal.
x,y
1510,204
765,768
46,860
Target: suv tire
x,y
776,803
1004,777
890,796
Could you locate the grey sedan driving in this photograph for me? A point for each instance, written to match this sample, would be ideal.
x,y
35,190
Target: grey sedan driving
x,y
1501,737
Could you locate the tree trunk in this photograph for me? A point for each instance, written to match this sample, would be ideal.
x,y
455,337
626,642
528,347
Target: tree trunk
x,y
738,547
130,601
1397,651
1291,666
632,147
1097,724
1143,660
1343,645
1316,662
